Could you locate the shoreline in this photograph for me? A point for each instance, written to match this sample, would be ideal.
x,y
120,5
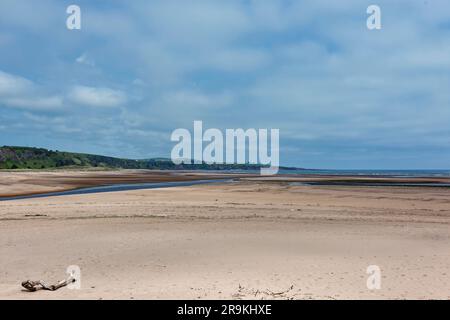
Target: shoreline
x,y
35,183
114,188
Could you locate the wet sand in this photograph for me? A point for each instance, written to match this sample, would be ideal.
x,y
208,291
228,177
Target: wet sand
x,y
257,238
22,183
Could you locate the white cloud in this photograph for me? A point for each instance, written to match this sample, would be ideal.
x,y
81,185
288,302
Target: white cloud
x,y
19,92
39,103
11,85
86,60
97,96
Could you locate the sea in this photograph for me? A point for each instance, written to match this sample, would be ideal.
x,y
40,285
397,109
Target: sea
x,y
338,172
388,173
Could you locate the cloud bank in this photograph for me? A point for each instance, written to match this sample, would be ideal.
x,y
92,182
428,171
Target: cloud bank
x,y
341,95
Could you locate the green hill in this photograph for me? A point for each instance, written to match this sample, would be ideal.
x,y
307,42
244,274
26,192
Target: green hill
x,y
38,158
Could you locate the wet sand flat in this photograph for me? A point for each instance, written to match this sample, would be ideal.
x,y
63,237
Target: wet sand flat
x,y
21,183
251,239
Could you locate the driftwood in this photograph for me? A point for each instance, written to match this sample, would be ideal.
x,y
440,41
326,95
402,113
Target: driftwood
x,y
41,285
244,292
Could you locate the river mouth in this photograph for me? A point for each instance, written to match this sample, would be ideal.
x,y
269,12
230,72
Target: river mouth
x,y
117,188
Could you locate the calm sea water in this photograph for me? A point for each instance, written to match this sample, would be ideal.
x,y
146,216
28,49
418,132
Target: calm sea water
x,y
390,173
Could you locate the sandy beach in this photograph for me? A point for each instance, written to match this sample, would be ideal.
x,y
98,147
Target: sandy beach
x,y
255,238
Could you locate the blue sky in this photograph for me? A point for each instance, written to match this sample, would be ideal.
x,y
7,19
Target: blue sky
x,y
341,95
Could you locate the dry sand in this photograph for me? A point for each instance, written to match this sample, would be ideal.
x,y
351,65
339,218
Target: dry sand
x,y
245,240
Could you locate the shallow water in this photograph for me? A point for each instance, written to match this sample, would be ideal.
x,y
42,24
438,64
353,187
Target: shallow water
x,y
370,184
117,187
387,173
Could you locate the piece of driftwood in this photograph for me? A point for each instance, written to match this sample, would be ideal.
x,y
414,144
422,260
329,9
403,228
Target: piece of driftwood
x,y
41,285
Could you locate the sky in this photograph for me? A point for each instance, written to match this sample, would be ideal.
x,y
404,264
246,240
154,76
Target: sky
x,y
342,96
